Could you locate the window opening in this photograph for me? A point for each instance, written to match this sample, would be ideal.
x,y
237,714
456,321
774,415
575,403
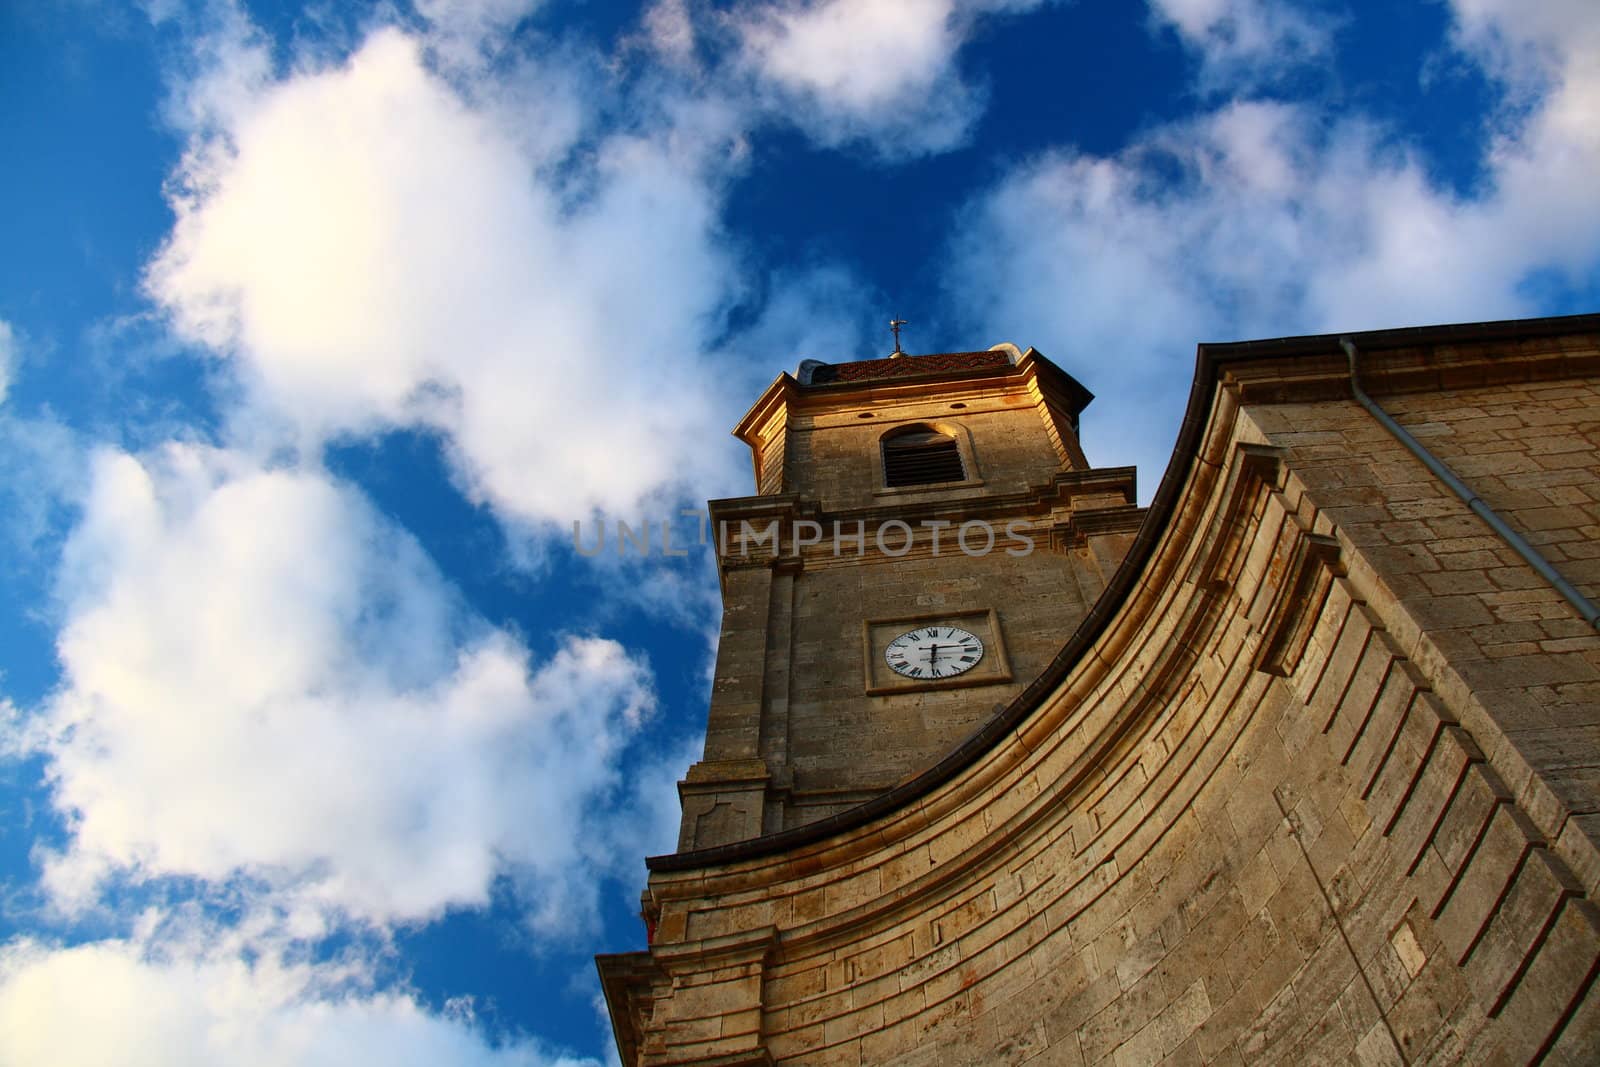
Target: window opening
x,y
921,457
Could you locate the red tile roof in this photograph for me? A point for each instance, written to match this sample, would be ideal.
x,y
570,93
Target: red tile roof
x,y
907,366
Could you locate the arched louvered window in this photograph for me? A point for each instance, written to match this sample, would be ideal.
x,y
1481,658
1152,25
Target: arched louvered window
x,y
918,455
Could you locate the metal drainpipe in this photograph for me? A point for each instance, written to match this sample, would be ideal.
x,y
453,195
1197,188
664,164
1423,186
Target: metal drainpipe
x,y
1585,606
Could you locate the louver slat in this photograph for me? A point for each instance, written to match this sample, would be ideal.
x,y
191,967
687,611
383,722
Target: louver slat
x,y
921,462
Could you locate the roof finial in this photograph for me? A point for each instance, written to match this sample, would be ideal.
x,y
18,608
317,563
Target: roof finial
x,y
894,325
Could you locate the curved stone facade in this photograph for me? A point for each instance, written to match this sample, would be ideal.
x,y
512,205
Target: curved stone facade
x,y
1288,796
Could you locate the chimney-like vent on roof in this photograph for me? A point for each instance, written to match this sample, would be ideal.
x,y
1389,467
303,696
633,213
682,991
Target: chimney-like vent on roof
x,y
919,456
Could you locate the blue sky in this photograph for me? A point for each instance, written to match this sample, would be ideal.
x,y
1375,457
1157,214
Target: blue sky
x,y
320,326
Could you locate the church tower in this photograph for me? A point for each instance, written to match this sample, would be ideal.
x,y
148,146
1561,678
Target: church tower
x,y
926,535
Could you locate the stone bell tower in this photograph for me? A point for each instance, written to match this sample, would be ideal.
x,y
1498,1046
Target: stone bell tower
x,y
926,535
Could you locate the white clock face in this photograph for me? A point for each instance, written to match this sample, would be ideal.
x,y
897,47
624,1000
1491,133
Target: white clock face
x,y
931,652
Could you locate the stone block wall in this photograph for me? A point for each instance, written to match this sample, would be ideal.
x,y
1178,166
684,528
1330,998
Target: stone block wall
x,y
1521,665
1298,802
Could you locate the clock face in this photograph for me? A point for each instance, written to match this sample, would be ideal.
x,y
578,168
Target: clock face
x,y
934,652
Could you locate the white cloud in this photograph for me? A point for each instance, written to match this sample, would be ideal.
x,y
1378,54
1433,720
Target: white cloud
x,y
1546,151
668,29
882,73
654,816
467,32
8,357
1264,219
814,313
42,470
266,686
1426,251
265,680
120,1003
1246,41
227,63
374,250
1532,47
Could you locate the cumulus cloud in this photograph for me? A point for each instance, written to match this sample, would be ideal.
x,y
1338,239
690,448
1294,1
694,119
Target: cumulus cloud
x,y
373,249
883,73
1266,219
120,1002
1246,41
264,681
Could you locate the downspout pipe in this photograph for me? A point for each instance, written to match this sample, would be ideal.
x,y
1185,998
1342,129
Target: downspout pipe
x,y
1519,544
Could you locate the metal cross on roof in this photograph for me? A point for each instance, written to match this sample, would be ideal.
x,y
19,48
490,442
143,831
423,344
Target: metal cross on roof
x,y
894,325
